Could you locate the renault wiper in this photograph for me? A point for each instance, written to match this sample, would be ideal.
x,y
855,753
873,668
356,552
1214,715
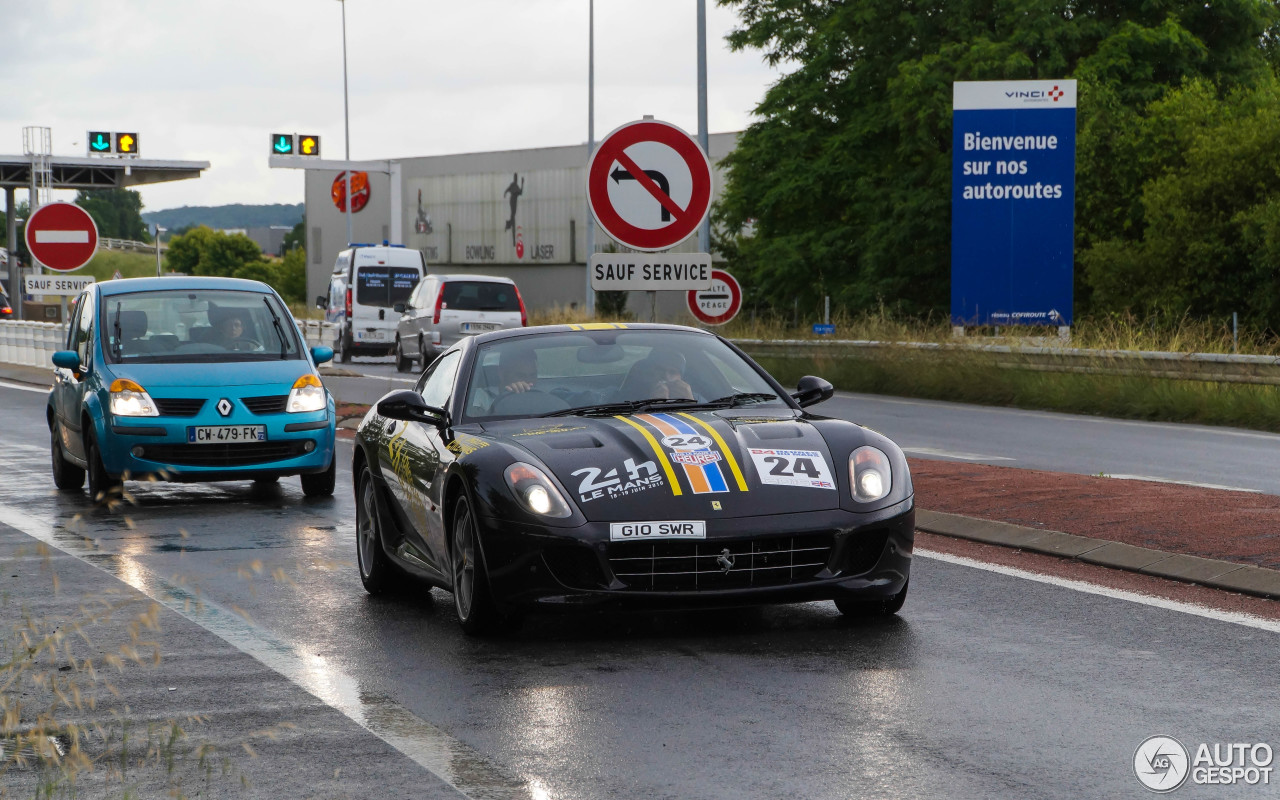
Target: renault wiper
x,y
624,407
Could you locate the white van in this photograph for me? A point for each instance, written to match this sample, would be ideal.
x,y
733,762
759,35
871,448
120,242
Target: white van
x,y
368,281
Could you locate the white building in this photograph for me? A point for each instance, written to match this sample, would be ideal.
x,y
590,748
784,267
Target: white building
x,y
516,213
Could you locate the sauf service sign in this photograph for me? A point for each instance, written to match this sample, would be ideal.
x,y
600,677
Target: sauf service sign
x,y
1012,202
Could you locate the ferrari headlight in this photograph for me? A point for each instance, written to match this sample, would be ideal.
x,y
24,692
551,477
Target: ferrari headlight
x,y
535,491
128,399
869,474
307,395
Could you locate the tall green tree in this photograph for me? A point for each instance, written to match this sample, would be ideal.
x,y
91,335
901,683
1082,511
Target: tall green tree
x,y
204,251
842,185
116,212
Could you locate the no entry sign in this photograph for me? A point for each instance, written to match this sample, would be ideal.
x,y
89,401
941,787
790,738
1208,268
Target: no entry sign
x,y
649,185
62,236
718,304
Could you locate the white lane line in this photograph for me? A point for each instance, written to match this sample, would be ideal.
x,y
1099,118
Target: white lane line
x,y
1181,483
1182,428
1234,617
936,453
20,387
449,759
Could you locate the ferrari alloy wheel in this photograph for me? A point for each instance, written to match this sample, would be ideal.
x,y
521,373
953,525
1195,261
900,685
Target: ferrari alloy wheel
x,y
471,597
885,607
320,484
377,573
403,363
101,484
65,474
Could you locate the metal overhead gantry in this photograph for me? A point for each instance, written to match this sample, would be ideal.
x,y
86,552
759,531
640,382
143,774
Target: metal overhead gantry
x,y
87,172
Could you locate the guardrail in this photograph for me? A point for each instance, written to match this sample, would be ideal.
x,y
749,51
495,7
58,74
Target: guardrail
x,y
1214,367
130,244
32,344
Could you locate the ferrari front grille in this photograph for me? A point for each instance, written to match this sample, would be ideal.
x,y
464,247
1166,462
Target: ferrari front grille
x,y
686,566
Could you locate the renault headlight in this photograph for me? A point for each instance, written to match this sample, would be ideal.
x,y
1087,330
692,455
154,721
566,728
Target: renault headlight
x,y
869,474
128,399
535,491
307,395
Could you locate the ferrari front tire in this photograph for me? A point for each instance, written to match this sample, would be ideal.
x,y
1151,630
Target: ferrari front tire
x,y
472,599
870,609
377,573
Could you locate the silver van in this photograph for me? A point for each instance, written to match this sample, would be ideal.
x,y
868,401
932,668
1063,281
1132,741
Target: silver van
x,y
367,283
445,308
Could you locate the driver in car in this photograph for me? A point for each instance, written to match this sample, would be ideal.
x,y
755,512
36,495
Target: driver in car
x,y
229,333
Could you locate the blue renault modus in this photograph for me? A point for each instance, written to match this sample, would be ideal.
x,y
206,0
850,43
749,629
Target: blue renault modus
x,y
188,379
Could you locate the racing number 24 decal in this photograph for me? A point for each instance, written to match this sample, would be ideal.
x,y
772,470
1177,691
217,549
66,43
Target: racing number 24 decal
x,y
792,468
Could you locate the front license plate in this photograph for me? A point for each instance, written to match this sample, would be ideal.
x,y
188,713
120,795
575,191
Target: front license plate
x,y
675,529
223,434
372,336
479,327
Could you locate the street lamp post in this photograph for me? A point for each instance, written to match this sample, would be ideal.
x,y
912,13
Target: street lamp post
x,y
704,231
591,144
346,122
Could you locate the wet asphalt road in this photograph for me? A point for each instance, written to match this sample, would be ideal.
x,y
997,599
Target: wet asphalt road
x,y
987,685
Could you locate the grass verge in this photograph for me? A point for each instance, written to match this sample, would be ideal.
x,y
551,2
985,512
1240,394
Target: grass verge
x,y
958,376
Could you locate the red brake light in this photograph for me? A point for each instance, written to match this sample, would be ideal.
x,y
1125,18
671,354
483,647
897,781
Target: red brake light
x,y
348,302
524,318
439,305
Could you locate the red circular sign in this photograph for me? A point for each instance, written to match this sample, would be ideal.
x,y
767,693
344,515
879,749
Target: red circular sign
x,y
359,191
62,236
611,163
720,302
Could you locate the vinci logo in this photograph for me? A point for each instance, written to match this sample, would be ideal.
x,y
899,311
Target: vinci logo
x,y
1056,93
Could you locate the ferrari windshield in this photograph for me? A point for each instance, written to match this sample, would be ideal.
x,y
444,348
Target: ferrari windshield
x,y
610,371
196,325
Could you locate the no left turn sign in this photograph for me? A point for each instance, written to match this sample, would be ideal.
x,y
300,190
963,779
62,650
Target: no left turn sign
x,y
649,185
719,303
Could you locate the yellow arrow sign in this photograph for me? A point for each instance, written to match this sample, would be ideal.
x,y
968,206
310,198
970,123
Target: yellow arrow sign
x,y
126,144
308,146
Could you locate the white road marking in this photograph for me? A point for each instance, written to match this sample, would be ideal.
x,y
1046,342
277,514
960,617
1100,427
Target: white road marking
x,y
1181,483
23,388
1234,617
936,453
1179,427
449,759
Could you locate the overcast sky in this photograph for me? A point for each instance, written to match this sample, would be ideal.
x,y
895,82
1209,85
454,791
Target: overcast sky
x,y
211,80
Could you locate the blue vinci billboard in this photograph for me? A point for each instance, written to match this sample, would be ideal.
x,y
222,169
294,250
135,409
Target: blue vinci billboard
x,y
1013,167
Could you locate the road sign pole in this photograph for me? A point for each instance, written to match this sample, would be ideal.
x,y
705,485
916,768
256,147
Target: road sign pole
x,y
346,119
591,146
704,230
